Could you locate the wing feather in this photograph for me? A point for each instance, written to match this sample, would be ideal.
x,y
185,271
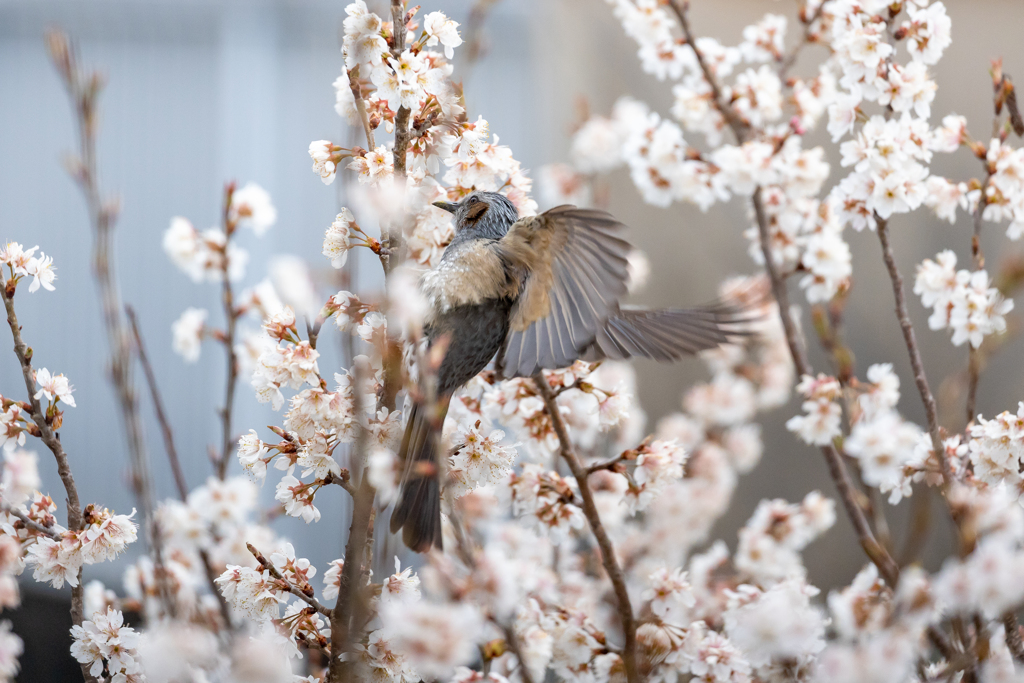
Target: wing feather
x,y
577,273
668,334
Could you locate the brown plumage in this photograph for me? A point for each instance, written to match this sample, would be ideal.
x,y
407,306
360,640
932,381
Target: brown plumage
x,y
538,292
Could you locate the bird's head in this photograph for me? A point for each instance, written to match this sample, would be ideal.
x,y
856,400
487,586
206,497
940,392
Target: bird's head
x,y
486,214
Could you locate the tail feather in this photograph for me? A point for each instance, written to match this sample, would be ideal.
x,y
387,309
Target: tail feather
x,y
418,512
669,333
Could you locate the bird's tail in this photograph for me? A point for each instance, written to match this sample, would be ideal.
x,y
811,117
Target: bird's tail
x,y
667,334
418,512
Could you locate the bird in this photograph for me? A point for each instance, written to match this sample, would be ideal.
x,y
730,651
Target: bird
x,y
531,293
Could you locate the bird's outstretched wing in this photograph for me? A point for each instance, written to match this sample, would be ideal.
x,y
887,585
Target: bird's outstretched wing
x,y
576,264
667,334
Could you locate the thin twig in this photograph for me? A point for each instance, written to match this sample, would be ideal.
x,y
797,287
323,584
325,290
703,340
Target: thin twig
x,y
361,109
52,441
887,567
739,126
158,406
609,464
608,558
83,91
920,378
291,587
31,523
787,63
49,437
1013,640
172,457
975,359
230,324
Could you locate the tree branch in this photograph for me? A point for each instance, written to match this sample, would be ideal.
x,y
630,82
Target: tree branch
x,y
52,441
887,567
83,91
231,320
790,59
158,406
31,523
920,379
739,126
608,558
172,457
1013,639
292,588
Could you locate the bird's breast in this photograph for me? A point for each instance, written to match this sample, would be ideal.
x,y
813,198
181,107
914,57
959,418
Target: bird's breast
x,y
470,274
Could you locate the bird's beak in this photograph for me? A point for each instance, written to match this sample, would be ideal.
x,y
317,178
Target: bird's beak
x,y
450,208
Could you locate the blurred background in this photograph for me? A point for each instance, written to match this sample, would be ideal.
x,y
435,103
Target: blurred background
x,y
204,91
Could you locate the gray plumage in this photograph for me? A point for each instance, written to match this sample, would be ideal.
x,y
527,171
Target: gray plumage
x,y
537,293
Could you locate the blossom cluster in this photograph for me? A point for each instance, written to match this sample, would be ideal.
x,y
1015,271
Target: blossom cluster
x,y
521,591
23,262
961,300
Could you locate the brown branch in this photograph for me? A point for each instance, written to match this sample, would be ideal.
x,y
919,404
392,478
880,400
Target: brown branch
x,y
608,559
211,578
230,322
158,406
49,437
1013,639
357,94
52,441
172,457
83,90
975,360
291,587
887,567
787,63
739,126
609,464
344,620
907,327
31,523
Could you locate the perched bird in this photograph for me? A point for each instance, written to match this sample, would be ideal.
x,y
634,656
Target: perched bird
x,y
538,292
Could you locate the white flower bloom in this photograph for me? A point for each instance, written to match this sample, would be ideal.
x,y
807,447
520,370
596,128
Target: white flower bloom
x,y
434,637
54,387
375,167
332,579
442,29
17,257
187,331
480,460
42,271
771,541
106,535
336,244
997,447
928,32
251,452
11,647
711,657
403,585
251,207
20,477
320,151
250,591
780,622
105,639
671,595
297,499
293,282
